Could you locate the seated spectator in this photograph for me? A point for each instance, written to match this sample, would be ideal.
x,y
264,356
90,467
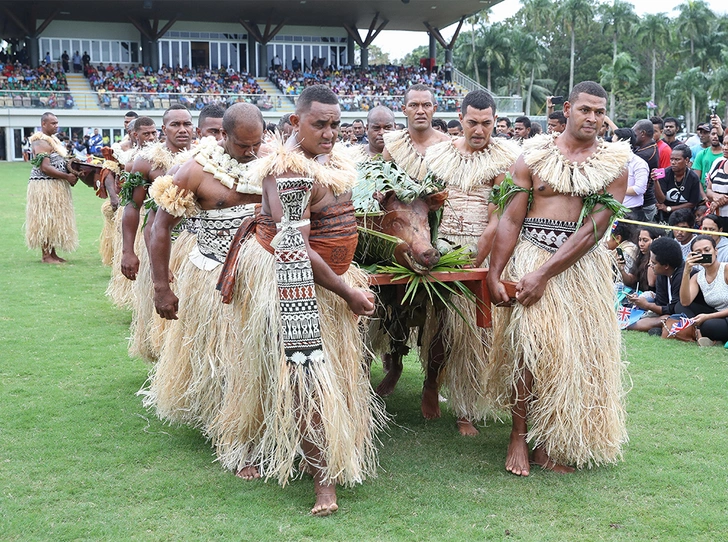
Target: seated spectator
x,y
717,182
679,187
701,211
667,263
620,242
640,274
714,223
683,218
711,319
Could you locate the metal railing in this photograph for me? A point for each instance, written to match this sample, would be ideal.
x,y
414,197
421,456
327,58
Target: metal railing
x,y
504,104
141,101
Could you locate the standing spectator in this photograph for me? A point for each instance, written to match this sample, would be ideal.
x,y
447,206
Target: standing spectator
x,y
26,146
717,183
663,148
680,186
95,142
646,148
556,122
454,128
295,64
704,136
85,59
359,131
448,71
637,179
669,134
522,128
65,62
77,63
707,157
503,127
277,64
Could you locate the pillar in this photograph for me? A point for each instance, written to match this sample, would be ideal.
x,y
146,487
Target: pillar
x,y
365,57
350,51
433,51
263,63
252,44
33,44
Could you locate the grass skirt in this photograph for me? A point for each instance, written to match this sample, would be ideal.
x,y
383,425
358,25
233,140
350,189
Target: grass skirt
x,y
270,406
570,341
186,384
120,287
147,328
106,241
50,221
464,376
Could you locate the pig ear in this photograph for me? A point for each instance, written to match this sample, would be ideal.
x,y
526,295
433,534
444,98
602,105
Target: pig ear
x,y
437,200
382,197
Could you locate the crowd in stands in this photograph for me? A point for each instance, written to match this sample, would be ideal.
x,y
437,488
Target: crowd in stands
x,y
139,87
362,88
44,86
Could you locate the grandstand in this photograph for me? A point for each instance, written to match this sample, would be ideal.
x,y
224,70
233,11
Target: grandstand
x,y
147,54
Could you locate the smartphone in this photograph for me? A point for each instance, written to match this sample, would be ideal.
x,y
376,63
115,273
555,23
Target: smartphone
x,y
557,100
706,258
659,172
620,253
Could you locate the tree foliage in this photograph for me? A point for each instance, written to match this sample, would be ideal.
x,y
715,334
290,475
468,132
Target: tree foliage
x,y
676,60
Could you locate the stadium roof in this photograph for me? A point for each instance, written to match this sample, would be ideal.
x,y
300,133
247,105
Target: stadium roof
x,y
18,17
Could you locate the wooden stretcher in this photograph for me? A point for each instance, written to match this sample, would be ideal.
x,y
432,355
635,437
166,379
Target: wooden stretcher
x,y
473,279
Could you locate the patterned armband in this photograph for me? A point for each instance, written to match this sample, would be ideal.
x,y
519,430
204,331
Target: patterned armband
x,y
38,159
172,199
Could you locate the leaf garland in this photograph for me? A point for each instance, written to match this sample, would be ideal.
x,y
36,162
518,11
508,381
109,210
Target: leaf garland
x,y
503,193
608,202
37,160
130,182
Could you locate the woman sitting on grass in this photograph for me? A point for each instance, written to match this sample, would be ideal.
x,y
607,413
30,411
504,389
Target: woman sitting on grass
x,y
640,274
714,223
621,244
712,282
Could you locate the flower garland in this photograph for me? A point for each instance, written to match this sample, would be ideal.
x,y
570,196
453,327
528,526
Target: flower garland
x,y
226,169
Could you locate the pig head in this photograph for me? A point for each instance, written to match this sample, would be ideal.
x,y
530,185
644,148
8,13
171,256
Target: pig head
x,y
409,222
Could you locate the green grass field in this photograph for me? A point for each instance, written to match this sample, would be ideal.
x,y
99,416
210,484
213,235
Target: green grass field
x,y
80,459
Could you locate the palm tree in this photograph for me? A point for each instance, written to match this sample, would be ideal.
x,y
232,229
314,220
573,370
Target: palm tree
x,y
536,16
719,81
473,58
573,13
619,19
527,62
653,33
693,20
682,93
494,42
618,77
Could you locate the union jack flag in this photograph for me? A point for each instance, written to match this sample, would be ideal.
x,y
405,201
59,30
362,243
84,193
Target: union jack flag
x,y
681,324
626,316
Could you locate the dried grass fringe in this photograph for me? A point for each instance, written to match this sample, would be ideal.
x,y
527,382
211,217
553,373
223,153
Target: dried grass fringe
x,y
186,384
119,289
270,406
570,341
405,155
106,240
49,216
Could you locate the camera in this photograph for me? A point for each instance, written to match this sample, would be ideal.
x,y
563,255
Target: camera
x,y
706,258
659,172
620,252
557,100
712,111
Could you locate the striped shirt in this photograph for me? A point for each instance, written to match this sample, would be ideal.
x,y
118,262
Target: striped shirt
x,y
718,177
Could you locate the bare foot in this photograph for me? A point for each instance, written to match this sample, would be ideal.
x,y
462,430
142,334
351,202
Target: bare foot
x,y
387,385
325,500
466,428
52,258
430,402
540,458
248,473
517,456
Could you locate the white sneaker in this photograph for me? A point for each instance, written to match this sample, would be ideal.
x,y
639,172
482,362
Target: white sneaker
x,y
705,341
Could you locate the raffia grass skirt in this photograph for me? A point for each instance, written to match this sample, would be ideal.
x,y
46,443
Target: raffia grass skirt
x,y
570,341
270,406
464,376
147,327
50,220
120,287
186,384
106,240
